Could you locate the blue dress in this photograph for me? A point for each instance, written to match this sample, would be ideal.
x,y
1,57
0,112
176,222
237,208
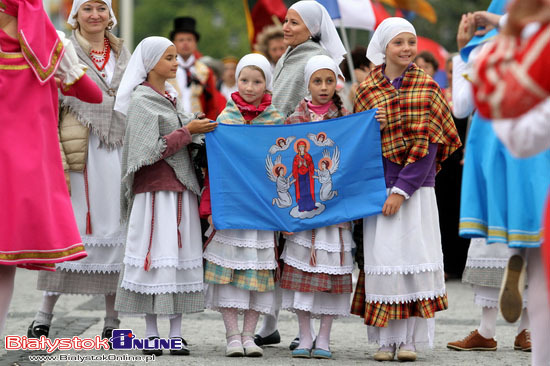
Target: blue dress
x,y
502,196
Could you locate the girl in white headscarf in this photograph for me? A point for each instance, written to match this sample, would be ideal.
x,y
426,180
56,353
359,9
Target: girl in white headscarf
x,y
308,31
401,285
240,265
309,267
163,258
91,138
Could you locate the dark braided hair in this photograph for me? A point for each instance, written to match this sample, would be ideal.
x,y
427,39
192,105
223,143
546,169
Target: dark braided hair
x,y
338,103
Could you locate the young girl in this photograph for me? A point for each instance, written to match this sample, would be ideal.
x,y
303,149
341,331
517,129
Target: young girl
x,y
320,287
402,283
163,259
91,145
240,264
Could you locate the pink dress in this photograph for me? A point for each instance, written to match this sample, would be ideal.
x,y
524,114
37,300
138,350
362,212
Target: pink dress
x,y
37,224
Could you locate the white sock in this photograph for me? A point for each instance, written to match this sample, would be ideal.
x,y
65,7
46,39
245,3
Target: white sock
x,y
48,302
387,348
110,311
487,326
7,278
42,318
304,321
524,321
408,347
151,329
175,326
269,324
323,338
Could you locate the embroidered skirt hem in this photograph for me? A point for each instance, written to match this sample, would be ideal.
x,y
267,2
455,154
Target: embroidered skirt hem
x,y
378,314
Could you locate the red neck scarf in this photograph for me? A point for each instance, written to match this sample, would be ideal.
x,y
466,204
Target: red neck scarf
x,y
249,111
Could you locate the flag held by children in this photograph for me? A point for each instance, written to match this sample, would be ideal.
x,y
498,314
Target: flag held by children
x,y
296,177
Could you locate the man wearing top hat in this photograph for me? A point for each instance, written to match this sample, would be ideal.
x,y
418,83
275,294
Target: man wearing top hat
x,y
194,80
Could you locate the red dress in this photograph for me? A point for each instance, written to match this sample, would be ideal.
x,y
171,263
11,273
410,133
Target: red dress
x,y
37,224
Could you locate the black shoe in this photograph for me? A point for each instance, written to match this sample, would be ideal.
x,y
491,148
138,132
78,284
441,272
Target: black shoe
x,y
156,352
295,342
38,331
107,333
183,351
273,338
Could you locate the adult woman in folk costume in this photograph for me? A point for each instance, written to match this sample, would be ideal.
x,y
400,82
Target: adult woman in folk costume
x,y
37,224
91,142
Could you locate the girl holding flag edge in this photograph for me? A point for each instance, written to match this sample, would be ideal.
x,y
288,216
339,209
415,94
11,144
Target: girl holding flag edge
x,y
402,283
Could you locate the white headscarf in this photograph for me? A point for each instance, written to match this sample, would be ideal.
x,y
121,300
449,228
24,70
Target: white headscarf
x,y
78,3
386,31
255,59
320,62
146,55
319,23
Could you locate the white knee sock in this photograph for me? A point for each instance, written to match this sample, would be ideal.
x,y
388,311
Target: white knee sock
x,y
151,329
111,315
487,326
45,314
323,338
269,324
231,321
304,321
175,326
524,321
7,278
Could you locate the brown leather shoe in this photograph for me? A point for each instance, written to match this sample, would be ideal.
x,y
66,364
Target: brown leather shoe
x,y
511,290
523,341
474,342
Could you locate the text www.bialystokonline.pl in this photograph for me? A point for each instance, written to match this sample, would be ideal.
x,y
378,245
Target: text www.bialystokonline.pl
x,y
67,357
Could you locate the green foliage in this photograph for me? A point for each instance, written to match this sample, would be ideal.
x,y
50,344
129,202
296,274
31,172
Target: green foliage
x,y
221,23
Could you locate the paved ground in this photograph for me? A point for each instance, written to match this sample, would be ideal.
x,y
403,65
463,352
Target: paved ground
x,y
82,316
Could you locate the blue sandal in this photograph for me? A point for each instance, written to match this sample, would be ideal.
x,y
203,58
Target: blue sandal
x,y
301,353
321,354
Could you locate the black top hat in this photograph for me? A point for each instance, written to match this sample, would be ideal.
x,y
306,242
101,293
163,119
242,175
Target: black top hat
x,y
184,25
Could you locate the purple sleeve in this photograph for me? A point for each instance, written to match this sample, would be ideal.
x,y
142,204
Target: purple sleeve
x,y
175,140
413,176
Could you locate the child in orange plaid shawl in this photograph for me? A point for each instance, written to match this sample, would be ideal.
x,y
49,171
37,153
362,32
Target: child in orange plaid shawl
x,y
402,283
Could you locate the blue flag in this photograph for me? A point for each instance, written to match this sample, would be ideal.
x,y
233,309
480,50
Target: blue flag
x,y
296,177
332,8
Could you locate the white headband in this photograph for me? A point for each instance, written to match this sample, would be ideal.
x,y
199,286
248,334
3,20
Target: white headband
x,y
255,59
319,23
78,3
146,55
386,31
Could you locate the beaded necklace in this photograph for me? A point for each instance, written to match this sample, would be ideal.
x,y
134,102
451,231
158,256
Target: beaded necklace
x,y
100,58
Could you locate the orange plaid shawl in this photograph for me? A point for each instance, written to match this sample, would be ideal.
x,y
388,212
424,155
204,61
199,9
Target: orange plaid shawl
x,y
417,115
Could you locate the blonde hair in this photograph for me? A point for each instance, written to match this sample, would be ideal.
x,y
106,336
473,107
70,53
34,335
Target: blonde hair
x,y
77,25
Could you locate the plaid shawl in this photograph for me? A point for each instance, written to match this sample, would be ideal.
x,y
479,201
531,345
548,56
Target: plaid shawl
x,y
150,117
417,116
232,116
109,125
302,114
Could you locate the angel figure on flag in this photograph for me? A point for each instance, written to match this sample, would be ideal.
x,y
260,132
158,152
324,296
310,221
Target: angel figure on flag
x,y
277,174
281,144
320,139
327,167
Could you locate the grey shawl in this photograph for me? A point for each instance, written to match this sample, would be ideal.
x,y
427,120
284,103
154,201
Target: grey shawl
x,y
108,124
288,78
150,117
